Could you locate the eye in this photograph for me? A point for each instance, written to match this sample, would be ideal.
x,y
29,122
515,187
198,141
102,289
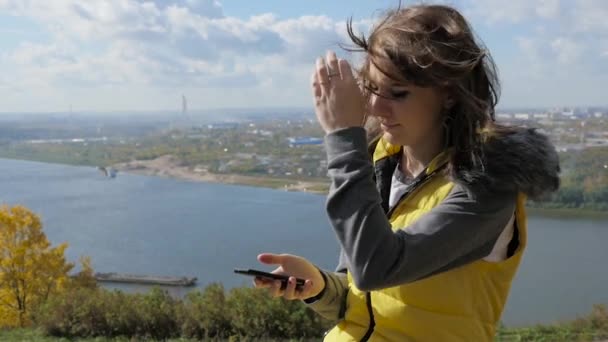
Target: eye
x,y
399,95
371,87
391,95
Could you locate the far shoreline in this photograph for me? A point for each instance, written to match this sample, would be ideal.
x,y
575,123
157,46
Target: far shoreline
x,y
169,167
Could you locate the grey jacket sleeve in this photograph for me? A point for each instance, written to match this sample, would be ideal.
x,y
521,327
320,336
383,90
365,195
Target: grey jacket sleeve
x,y
332,302
461,229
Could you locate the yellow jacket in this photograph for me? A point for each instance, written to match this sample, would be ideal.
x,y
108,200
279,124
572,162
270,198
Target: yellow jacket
x,y
463,304
453,301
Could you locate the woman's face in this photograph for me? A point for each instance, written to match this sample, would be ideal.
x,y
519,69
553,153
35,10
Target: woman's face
x,y
409,115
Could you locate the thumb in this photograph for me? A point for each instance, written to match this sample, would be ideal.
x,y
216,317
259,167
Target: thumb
x,y
270,259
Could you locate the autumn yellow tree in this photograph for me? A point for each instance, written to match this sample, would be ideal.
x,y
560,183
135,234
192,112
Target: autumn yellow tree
x,y
85,278
30,268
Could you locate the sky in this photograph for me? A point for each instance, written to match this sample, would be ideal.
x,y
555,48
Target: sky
x,y
117,55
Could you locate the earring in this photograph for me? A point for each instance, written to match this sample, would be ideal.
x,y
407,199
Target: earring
x,y
446,131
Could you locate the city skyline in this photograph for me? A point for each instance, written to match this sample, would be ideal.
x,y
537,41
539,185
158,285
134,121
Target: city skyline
x,y
130,55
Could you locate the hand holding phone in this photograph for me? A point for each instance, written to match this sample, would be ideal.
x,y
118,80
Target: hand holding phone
x,y
271,276
309,283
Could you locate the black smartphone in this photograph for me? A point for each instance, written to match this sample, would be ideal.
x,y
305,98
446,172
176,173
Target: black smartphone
x,y
283,278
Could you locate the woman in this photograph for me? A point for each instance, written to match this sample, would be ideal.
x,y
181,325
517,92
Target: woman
x,y
429,216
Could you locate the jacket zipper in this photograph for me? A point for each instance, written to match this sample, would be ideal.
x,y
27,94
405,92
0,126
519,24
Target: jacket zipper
x,y
372,322
368,296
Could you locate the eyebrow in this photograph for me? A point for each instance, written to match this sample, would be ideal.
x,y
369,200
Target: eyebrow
x,y
399,84
391,83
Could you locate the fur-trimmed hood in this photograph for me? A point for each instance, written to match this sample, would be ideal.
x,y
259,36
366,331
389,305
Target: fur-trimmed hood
x,y
513,159
520,159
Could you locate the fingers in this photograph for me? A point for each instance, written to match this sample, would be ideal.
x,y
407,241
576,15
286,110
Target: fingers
x,y
270,259
262,283
290,292
332,63
322,75
329,68
316,87
345,70
275,288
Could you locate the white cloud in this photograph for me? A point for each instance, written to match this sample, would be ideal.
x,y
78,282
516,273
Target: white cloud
x,y
528,46
307,37
567,50
208,8
513,11
548,8
113,53
604,48
561,37
553,70
161,44
591,16
531,56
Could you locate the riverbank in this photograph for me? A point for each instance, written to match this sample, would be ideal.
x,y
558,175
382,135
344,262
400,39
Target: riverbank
x,y
170,166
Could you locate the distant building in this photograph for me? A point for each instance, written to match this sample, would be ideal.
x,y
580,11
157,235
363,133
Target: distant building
x,y
266,133
583,131
223,125
568,113
184,105
569,147
522,116
596,142
299,141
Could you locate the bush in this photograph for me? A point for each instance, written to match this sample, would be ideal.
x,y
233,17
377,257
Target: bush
x,y
209,314
157,315
591,328
243,314
204,314
97,312
255,314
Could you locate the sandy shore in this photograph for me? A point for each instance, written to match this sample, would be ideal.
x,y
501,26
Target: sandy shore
x,y
169,166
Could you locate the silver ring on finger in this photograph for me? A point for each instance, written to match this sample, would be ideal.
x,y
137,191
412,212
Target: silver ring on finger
x,y
331,73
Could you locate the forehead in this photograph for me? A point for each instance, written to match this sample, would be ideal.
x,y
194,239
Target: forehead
x,y
383,72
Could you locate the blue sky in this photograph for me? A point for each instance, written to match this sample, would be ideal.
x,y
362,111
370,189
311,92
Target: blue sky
x,y
109,55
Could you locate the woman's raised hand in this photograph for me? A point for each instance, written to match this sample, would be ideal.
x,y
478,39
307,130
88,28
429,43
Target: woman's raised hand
x,y
338,100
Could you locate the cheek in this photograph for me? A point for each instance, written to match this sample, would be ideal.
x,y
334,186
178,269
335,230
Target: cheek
x,y
417,120
415,116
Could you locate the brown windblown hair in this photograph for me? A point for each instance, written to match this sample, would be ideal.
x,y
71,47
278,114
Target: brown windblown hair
x,y
434,46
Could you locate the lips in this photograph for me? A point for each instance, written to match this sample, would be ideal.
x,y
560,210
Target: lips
x,y
389,125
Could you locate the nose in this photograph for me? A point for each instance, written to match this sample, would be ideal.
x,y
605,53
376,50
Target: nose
x,y
380,107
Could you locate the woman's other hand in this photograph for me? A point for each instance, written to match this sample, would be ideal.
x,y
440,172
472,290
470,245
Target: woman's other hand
x,y
337,97
295,267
